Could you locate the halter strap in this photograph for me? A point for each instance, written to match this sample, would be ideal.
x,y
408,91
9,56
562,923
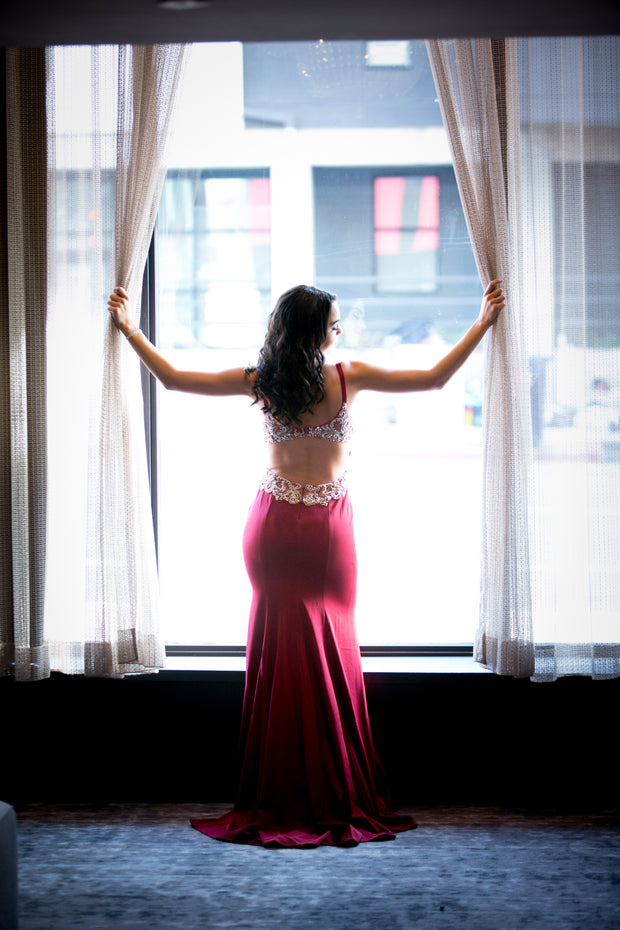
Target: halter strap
x,y
342,382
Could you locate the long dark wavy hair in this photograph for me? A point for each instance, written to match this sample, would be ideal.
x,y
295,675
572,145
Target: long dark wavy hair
x,y
289,372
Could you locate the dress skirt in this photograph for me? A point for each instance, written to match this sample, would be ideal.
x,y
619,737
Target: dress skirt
x,y
309,772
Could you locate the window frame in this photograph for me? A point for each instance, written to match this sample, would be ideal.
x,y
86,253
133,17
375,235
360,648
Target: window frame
x,y
150,326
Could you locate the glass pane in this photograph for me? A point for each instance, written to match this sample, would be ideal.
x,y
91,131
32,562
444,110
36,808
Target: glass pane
x,y
570,216
407,233
82,120
213,248
323,163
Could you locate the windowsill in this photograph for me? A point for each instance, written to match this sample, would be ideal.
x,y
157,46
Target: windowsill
x,y
417,665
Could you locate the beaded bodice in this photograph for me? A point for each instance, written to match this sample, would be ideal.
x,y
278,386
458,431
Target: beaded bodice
x,y
338,429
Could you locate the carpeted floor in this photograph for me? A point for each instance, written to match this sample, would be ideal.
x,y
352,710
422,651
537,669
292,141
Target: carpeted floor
x,y
142,866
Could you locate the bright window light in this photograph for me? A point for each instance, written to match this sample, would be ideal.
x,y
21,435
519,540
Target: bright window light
x,y
294,163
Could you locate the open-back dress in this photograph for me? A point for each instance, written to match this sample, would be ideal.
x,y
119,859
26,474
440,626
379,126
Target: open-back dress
x,y
309,772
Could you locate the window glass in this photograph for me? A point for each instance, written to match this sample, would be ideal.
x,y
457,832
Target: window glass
x,y
322,163
213,248
587,319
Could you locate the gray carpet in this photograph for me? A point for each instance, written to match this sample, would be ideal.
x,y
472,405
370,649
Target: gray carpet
x,y
143,867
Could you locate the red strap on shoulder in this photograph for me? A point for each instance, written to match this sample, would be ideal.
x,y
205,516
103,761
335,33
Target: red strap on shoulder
x,y
342,382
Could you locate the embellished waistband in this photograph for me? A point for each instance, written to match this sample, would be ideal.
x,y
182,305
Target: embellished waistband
x,y
285,490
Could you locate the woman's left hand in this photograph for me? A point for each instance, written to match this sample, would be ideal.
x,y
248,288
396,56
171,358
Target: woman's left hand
x,y
493,302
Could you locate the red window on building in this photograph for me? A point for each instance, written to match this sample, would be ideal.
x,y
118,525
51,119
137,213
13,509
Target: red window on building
x,y
406,220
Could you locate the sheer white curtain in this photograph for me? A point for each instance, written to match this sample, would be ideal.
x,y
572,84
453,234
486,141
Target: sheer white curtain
x,y
550,592
112,109
473,79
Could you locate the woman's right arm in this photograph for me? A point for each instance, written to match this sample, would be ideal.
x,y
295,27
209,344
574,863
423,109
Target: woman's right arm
x,y
222,383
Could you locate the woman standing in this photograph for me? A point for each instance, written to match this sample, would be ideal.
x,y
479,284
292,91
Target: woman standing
x,y
309,773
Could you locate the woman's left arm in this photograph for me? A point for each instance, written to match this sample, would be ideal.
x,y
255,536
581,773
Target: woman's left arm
x,y
362,377
493,302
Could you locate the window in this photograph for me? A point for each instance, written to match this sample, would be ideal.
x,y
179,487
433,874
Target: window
x,y
314,167
394,54
308,162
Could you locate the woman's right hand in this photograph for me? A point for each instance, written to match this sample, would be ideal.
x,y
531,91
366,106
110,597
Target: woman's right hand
x,y
118,305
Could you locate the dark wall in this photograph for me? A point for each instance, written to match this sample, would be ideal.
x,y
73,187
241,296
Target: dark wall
x,y
444,739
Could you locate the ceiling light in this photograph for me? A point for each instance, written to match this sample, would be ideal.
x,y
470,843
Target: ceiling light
x,y
183,4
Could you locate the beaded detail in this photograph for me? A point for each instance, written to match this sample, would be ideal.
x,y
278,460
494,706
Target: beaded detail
x,y
310,494
338,429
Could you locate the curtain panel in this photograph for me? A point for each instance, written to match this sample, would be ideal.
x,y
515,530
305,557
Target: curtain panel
x,y
110,118
122,593
475,80
82,144
24,652
534,126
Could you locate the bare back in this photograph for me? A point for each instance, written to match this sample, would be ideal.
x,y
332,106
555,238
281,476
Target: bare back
x,y
310,459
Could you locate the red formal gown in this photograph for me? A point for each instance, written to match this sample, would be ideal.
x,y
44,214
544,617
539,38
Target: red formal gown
x,y
309,773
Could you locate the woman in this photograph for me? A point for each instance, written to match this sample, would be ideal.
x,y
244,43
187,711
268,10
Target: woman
x,y
309,773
